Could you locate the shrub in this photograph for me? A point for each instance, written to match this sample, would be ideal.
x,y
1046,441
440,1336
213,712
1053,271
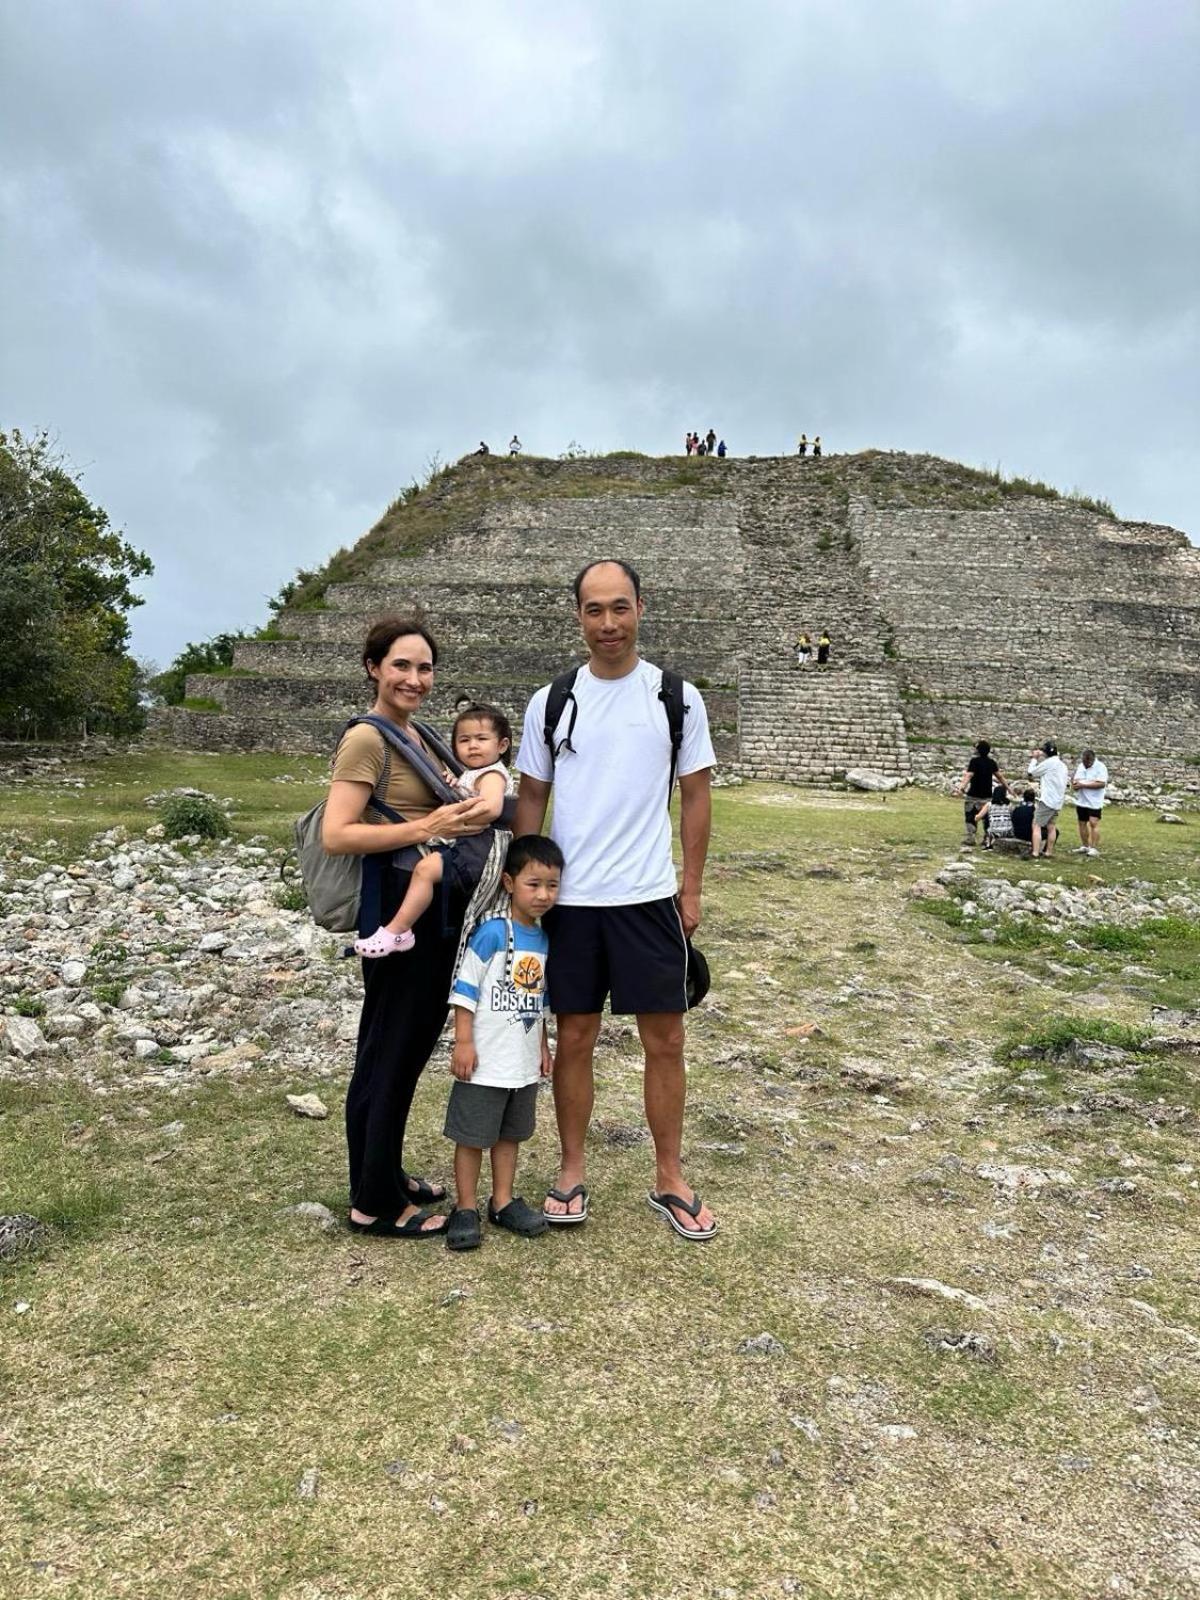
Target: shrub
x,y
193,813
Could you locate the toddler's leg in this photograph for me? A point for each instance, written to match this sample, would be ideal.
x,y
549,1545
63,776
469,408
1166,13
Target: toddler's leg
x,y
397,935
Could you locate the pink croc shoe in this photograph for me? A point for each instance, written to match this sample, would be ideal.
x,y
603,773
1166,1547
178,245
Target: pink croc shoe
x,y
384,943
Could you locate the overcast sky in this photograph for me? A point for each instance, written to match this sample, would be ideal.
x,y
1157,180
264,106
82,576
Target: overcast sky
x,y
262,260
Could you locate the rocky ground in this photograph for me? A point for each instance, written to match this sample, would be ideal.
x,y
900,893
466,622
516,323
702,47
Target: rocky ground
x,y
946,1344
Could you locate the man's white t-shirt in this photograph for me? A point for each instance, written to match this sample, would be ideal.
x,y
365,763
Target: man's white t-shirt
x,y
610,814
1051,774
1091,799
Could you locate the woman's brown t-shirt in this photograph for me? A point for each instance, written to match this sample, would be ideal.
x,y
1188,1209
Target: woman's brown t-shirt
x,y
361,758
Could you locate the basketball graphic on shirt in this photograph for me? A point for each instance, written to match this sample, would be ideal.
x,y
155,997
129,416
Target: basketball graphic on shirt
x,y
527,973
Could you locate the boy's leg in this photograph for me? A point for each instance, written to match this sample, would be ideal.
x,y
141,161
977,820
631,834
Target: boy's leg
x,y
665,1090
504,1171
467,1162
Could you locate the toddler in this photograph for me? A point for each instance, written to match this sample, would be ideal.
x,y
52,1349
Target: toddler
x,y
500,1046
482,740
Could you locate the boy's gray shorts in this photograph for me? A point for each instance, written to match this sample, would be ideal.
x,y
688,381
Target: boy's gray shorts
x,y
479,1114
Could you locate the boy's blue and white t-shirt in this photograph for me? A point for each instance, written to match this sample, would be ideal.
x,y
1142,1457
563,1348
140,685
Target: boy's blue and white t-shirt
x,y
508,998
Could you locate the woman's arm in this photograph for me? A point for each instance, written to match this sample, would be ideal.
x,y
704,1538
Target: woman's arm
x,y
344,833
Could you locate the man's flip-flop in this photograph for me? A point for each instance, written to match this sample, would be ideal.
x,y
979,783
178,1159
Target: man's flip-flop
x,y
567,1219
663,1203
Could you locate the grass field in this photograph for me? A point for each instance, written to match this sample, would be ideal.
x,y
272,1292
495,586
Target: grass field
x,y
573,1417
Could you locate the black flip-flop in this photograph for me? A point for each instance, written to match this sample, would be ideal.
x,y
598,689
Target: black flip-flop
x,y
518,1218
567,1219
663,1203
385,1227
463,1231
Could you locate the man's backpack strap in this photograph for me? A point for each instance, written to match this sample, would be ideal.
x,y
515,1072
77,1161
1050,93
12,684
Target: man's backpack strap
x,y
671,695
562,691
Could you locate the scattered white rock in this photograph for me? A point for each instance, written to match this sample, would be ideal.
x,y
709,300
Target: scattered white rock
x,y
314,1211
1022,1180
73,973
21,1036
873,782
310,1483
763,1344
934,1289
308,1105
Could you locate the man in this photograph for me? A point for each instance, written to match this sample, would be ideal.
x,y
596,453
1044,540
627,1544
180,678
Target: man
x,y
980,775
514,446
618,928
1089,783
1051,773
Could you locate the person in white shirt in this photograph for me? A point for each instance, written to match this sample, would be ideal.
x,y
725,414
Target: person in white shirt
x,y
1089,783
618,929
1046,766
514,446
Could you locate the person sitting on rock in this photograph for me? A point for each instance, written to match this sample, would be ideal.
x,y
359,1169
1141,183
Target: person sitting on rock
x,y
483,449
997,819
721,450
482,740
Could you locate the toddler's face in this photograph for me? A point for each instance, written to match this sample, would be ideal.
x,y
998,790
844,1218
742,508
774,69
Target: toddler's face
x,y
534,890
477,744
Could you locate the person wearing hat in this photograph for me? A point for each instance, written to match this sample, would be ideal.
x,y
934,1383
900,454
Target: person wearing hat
x,y
1051,773
620,930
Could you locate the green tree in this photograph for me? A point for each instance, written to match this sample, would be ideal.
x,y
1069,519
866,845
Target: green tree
x,y
65,593
210,656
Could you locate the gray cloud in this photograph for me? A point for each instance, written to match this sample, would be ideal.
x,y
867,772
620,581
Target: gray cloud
x,y
260,265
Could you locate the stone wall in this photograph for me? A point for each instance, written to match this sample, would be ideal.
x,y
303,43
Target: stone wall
x,y
958,609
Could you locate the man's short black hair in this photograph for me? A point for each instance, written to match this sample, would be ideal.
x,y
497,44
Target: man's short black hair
x,y
532,847
608,561
983,748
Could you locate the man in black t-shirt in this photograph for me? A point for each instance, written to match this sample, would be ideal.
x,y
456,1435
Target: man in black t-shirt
x,y
980,775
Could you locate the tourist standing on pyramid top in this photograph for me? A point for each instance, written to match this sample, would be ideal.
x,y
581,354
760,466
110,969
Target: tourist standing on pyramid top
x,y
802,447
514,446
817,445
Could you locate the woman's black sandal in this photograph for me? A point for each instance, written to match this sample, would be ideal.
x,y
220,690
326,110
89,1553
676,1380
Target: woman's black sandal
x,y
385,1227
422,1193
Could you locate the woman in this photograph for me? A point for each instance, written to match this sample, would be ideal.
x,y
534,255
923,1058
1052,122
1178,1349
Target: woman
x,y
405,1000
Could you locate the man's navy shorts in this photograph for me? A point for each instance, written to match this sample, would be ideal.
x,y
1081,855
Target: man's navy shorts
x,y
636,955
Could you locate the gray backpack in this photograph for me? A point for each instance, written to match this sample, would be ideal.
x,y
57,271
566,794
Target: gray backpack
x,y
337,886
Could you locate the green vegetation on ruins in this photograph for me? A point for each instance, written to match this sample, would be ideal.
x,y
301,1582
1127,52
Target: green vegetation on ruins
x,y
876,1095
450,495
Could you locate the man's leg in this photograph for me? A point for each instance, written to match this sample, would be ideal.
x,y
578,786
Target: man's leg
x,y
665,1088
574,1095
1036,848
1051,836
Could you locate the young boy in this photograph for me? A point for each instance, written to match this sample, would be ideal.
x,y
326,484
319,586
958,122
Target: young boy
x,y
500,1046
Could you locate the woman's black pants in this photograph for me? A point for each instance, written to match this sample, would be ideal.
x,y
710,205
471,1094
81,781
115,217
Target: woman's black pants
x,y
404,1007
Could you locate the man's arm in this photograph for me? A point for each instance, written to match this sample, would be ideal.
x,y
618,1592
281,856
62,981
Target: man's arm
x,y
533,797
695,825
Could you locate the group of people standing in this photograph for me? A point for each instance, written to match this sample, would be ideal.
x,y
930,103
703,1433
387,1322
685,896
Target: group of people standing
x,y
708,445
592,913
1034,821
803,447
805,649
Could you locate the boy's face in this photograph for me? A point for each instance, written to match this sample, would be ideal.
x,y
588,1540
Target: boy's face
x,y
534,890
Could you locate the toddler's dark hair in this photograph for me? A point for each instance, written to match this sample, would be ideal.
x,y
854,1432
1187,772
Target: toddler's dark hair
x,y
480,711
999,795
1027,795
532,847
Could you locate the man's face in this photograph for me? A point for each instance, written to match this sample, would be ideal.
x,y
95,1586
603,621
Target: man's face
x,y
608,612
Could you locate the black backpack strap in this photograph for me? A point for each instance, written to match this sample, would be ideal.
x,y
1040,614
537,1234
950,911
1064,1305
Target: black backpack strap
x,y
671,695
561,691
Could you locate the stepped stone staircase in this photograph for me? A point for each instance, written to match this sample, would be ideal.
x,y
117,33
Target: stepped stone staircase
x,y
957,612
